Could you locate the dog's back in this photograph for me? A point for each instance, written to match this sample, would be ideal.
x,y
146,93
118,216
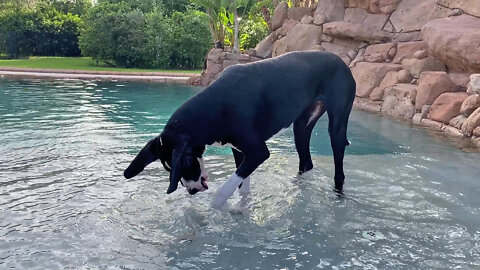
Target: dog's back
x,y
272,93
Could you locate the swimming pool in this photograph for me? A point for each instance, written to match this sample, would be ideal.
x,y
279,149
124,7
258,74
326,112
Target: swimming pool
x,y
412,198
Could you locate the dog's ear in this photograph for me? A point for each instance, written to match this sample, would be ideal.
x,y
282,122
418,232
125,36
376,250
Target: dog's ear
x,y
177,166
148,154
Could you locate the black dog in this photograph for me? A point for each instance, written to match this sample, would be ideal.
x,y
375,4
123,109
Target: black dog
x,y
247,105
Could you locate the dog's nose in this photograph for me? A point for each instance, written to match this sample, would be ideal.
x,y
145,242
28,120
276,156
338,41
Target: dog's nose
x,y
193,191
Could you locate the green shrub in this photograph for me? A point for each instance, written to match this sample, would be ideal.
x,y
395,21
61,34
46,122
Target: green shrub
x,y
191,39
127,35
252,30
48,28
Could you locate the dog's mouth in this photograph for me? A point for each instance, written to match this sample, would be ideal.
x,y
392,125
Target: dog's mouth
x,y
204,183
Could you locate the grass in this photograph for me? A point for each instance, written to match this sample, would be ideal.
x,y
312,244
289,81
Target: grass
x,y
76,63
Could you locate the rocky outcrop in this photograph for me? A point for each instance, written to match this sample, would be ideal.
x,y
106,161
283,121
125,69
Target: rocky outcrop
x,y
447,106
471,123
430,86
412,59
455,40
380,53
471,7
279,15
303,37
411,15
356,31
470,104
369,75
264,49
417,66
218,59
474,85
374,6
378,93
399,101
332,10
297,13
406,50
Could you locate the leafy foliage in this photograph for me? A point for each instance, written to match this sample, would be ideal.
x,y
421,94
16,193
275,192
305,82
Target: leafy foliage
x,y
47,27
253,27
253,30
135,33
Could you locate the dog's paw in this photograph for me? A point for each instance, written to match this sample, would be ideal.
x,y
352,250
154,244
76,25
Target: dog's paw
x,y
219,200
244,188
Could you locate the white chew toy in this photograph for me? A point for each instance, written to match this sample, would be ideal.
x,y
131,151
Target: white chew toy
x,y
226,190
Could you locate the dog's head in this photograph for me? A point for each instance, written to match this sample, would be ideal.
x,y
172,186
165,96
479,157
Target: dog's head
x,y
184,163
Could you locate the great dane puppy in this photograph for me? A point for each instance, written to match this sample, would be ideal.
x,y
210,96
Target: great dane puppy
x,y
243,108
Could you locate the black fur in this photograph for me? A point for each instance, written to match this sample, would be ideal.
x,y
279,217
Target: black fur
x,y
250,103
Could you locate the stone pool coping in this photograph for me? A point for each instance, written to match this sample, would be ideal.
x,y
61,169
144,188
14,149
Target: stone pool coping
x,y
159,77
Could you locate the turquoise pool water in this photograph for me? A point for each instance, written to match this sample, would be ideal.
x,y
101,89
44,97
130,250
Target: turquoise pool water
x,y
412,196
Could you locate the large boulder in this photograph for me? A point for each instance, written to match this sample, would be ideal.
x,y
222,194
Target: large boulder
x,y
303,37
460,79
265,47
430,86
471,7
406,50
279,15
457,122
382,6
339,48
474,84
369,75
447,106
333,10
357,32
279,47
286,27
374,6
297,13
471,123
411,15
470,104
375,21
455,40
355,15
417,66
390,79
399,100
384,51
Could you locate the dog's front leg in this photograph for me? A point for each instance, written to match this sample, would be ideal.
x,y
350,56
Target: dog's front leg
x,y
252,159
244,188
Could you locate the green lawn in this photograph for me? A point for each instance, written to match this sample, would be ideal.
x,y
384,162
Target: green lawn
x,y
77,63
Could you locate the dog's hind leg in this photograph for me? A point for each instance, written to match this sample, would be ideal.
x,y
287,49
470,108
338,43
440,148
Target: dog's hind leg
x,y
339,105
244,188
302,129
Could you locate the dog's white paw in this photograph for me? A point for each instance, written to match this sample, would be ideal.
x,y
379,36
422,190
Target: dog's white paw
x,y
244,190
226,191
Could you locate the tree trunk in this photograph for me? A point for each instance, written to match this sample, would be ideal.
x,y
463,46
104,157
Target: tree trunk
x,y
236,46
266,17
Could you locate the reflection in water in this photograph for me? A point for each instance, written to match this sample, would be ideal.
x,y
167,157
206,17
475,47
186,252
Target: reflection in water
x,y
412,201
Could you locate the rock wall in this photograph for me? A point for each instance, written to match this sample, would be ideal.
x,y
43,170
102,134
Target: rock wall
x,y
411,59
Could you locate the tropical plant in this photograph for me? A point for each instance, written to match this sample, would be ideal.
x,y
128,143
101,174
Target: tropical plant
x,y
218,18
